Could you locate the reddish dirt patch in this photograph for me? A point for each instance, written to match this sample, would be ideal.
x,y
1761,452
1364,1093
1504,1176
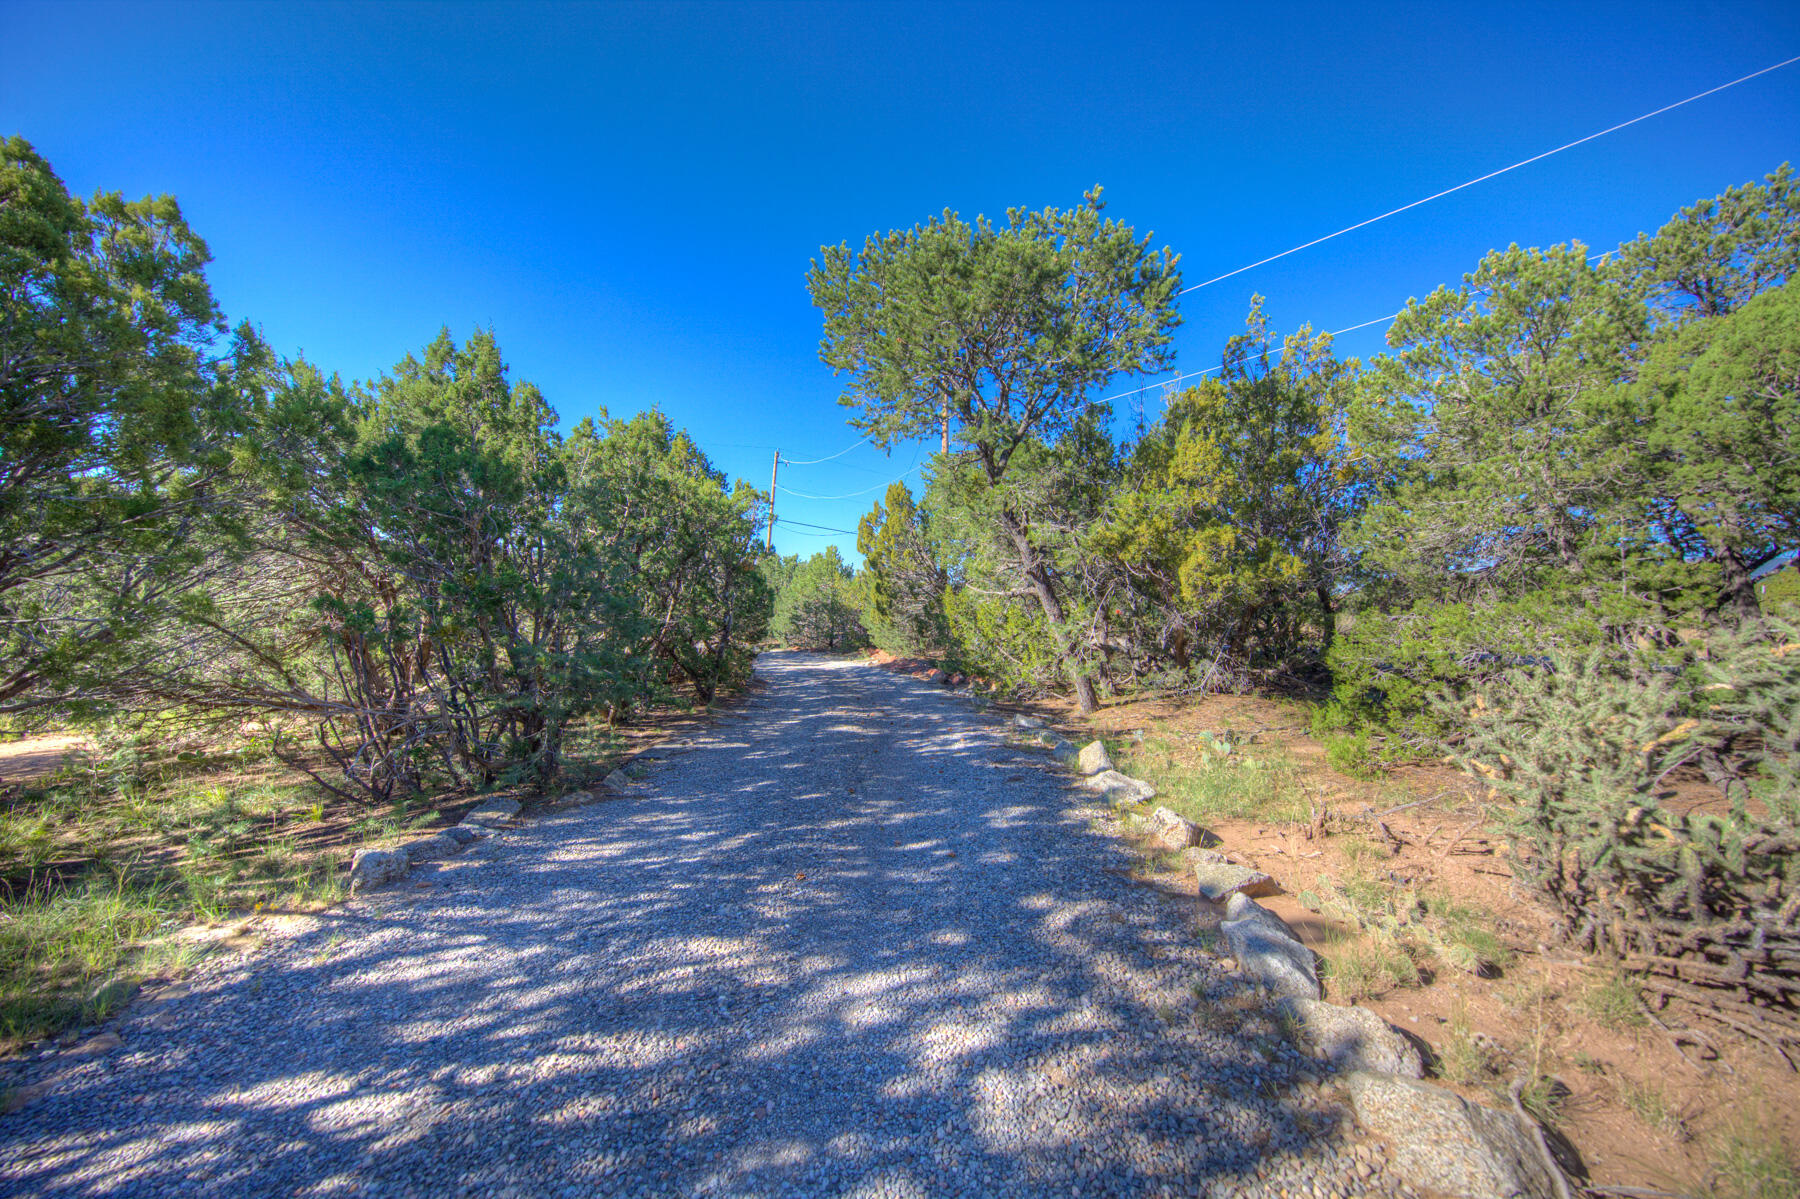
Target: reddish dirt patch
x,y
1637,1113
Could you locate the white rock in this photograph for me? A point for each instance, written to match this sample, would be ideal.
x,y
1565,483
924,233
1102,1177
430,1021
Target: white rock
x,y
377,867
1094,758
493,811
1173,832
427,848
1027,722
1351,1038
1119,788
1439,1141
1220,880
1268,950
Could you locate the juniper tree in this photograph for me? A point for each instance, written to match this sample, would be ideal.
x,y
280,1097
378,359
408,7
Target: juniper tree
x,y
996,336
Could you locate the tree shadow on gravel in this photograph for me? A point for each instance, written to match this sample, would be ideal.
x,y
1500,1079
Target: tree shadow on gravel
x,y
848,943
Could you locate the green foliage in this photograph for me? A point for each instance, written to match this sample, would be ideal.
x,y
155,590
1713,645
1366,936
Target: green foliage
x,y
901,586
997,336
1779,594
817,609
1349,753
118,419
1575,453
1233,501
1695,897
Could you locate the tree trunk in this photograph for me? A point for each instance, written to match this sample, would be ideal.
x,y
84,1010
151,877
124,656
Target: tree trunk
x,y
1329,624
1739,591
1042,586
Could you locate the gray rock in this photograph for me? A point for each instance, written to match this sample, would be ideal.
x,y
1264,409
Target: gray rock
x,y
1170,831
1027,722
576,799
1267,950
1219,880
1440,1141
437,846
618,780
1351,1038
1196,857
1114,787
372,868
493,812
1065,753
1094,758
464,834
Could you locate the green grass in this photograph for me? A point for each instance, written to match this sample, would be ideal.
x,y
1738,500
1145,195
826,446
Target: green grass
x,y
1613,1001
151,831
1750,1162
1648,1104
123,845
1392,935
1465,1058
1203,784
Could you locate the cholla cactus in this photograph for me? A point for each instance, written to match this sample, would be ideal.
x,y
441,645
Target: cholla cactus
x,y
1657,804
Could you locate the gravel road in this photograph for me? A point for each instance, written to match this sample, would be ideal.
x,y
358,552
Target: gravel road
x,y
846,941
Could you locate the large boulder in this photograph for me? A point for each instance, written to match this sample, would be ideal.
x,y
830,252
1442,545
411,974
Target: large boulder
x,y
1172,832
1350,1038
1114,787
1268,950
1219,880
427,848
494,811
1441,1142
372,868
1094,759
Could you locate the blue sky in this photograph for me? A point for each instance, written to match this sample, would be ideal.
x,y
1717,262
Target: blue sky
x,y
630,194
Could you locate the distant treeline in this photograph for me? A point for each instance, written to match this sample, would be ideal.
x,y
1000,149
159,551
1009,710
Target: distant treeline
x,y
419,573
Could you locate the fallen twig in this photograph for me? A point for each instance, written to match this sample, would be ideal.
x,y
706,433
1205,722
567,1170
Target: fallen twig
x,y
1537,1133
1415,803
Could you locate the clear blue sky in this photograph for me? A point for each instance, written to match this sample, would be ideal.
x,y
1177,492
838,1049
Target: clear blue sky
x,y
630,194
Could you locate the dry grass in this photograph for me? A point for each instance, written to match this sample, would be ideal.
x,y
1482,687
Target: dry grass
x,y
142,834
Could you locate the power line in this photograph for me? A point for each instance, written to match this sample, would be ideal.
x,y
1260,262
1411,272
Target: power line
x,y
850,495
1392,316
1491,174
822,528
826,458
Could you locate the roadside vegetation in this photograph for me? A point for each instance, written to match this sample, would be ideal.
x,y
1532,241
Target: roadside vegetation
x,y
280,602
1541,552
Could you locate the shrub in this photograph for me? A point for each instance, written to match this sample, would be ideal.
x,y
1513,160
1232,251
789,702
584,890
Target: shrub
x,y
1700,901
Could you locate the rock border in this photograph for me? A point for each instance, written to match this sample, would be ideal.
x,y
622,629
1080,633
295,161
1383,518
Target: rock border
x,y
1440,1141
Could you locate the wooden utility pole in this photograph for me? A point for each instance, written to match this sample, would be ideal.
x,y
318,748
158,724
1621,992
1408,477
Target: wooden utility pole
x,y
774,470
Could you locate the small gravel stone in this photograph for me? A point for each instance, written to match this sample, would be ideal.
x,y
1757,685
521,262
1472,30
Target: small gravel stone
x,y
847,942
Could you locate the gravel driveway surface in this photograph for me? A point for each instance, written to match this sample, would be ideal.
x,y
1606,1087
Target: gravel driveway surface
x,y
845,942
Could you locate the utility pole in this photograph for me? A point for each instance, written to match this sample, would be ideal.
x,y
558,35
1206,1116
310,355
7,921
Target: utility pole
x,y
774,470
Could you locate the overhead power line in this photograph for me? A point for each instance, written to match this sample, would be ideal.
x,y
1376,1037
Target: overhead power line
x,y
850,495
814,526
1334,333
826,458
1492,174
